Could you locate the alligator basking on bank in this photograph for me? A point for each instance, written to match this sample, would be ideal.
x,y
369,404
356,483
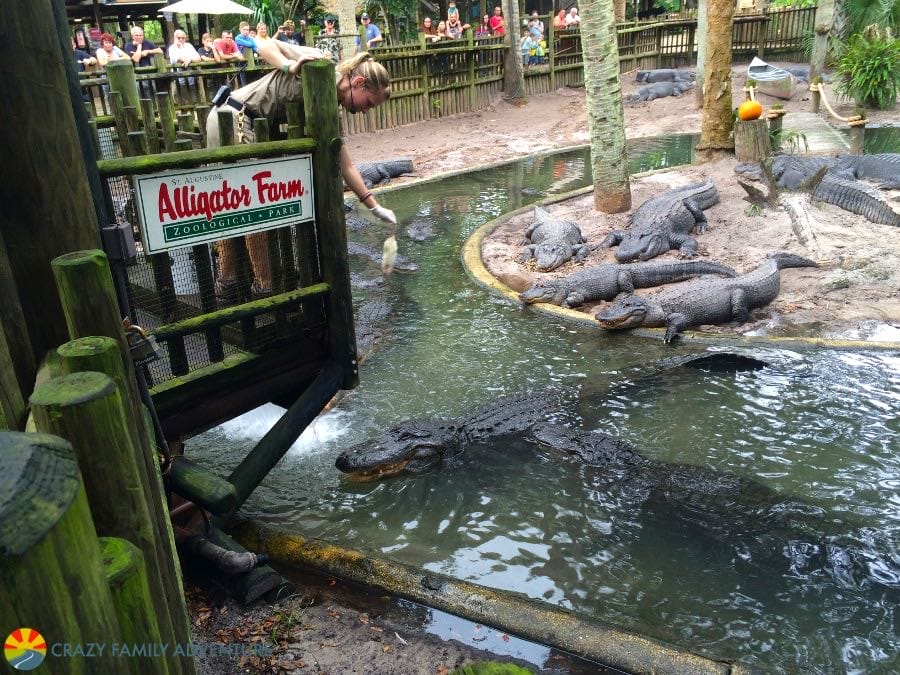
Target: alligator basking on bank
x,y
606,281
702,301
659,90
665,222
417,446
665,75
552,242
380,173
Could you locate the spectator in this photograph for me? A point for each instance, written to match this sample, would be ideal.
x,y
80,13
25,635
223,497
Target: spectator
x,y
536,26
429,30
442,30
498,23
572,18
140,50
455,28
226,49
206,51
526,45
484,28
362,84
329,42
559,21
452,11
83,60
182,52
108,50
243,40
262,32
286,32
373,34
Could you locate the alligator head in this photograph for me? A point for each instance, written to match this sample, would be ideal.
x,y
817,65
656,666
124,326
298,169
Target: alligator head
x,y
629,312
641,247
409,447
550,256
542,293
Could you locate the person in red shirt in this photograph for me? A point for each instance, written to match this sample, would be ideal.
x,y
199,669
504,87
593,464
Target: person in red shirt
x,y
226,48
498,23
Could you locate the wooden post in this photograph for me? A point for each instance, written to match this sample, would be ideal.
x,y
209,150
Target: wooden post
x,y
815,99
88,409
322,124
857,135
776,120
12,404
167,120
47,205
126,575
51,578
86,289
751,140
15,335
120,75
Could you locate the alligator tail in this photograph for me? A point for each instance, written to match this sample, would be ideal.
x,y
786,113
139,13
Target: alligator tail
x,y
857,197
786,260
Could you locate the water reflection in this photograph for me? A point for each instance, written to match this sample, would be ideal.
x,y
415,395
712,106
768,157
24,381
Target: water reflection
x,y
818,426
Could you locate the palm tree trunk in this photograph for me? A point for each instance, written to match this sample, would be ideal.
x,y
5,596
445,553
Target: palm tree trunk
x,y
606,116
715,132
824,24
513,75
702,30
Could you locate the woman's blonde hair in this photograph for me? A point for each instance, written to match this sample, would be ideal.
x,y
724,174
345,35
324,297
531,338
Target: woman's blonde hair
x,y
375,74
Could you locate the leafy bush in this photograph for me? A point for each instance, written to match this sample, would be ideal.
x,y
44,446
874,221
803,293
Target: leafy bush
x,y
869,69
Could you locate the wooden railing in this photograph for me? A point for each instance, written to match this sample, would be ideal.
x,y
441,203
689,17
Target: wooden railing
x,y
435,80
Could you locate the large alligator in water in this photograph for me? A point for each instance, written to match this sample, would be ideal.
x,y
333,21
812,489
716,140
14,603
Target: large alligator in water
x,y
606,281
703,301
380,173
552,242
665,222
417,446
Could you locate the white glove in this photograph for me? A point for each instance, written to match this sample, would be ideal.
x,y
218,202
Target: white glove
x,y
385,214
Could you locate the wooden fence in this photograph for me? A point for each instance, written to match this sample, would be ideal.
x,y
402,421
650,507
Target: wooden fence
x,y
430,81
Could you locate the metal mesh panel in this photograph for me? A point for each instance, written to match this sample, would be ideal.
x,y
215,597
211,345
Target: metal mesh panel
x,y
180,284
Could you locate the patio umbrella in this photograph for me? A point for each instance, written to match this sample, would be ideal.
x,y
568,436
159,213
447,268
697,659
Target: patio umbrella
x,y
206,7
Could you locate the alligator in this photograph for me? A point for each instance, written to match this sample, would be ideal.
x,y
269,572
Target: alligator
x,y
421,230
857,197
380,173
664,222
659,90
702,301
606,281
417,446
371,318
665,75
402,264
552,242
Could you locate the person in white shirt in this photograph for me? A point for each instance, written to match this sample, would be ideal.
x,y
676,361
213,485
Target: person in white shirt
x,y
182,52
572,18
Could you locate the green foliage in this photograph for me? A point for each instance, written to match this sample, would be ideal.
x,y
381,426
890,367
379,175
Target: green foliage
x,y
753,210
491,668
794,140
668,5
862,13
792,3
869,69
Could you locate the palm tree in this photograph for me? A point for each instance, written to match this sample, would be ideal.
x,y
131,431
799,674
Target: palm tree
x,y
718,123
606,116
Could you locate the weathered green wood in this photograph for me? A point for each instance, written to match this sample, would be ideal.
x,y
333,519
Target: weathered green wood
x,y
12,404
126,575
121,79
15,340
250,586
202,111
192,158
148,113
51,578
137,141
132,120
86,291
87,408
205,280
201,486
166,109
117,108
47,207
322,122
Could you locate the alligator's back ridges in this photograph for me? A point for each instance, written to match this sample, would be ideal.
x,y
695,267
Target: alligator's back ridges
x,y
593,449
511,414
857,197
650,207
374,173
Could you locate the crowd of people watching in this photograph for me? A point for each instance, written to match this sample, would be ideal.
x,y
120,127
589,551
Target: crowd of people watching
x,y
494,25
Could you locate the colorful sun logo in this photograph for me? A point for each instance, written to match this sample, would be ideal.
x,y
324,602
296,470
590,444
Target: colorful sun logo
x,y
25,649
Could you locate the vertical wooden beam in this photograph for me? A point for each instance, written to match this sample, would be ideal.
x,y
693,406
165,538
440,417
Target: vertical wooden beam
x,y
322,124
47,205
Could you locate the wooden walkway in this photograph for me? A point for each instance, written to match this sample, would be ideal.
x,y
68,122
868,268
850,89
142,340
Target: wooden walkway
x,y
821,137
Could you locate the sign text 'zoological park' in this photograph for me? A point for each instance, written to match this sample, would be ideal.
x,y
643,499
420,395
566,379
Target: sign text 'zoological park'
x,y
183,208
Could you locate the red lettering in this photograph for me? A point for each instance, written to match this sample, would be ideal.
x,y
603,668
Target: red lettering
x,y
164,204
187,202
277,191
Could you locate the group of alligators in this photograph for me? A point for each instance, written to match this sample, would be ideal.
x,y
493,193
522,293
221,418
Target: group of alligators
x,y
667,222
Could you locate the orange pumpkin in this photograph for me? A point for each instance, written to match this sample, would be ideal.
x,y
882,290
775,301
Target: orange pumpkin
x,y
750,110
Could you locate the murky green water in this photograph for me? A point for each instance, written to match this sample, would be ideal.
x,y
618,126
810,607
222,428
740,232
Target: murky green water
x,y
817,425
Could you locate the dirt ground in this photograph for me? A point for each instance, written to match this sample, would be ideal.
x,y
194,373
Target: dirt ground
x,y
327,627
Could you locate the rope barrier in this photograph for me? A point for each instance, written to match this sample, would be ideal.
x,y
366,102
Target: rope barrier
x,y
853,120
